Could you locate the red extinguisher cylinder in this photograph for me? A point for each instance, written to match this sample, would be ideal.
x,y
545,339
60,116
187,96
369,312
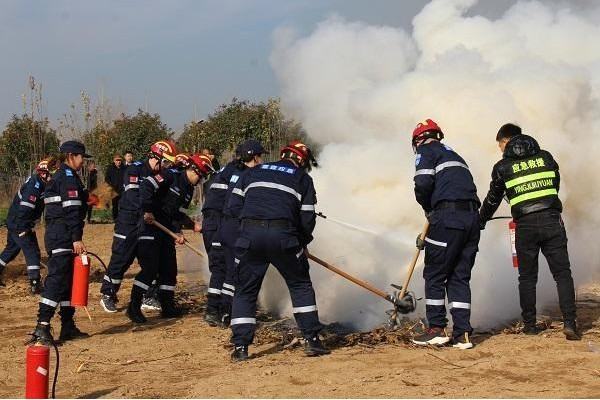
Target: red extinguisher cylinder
x,y
37,372
512,228
81,280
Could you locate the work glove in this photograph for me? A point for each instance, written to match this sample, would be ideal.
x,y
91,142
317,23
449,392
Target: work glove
x,y
35,286
482,223
420,243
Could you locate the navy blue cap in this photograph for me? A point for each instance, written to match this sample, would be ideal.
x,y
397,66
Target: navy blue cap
x,y
75,147
251,147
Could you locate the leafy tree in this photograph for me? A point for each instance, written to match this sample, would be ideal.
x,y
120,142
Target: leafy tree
x,y
23,143
239,120
134,133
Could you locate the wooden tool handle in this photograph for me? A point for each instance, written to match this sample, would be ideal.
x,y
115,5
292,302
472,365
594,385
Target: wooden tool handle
x,y
174,236
413,263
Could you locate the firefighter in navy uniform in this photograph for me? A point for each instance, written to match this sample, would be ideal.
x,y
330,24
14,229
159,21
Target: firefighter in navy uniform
x,y
251,152
529,178
125,237
276,205
212,208
444,188
66,207
162,198
27,207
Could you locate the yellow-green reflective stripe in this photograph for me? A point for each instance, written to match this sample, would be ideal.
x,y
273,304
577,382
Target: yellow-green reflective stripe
x,y
529,178
533,195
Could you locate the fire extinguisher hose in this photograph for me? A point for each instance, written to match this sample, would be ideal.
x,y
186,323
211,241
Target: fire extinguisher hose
x,y
97,257
56,367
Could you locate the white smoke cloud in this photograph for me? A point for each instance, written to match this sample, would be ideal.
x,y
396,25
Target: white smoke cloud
x,y
359,90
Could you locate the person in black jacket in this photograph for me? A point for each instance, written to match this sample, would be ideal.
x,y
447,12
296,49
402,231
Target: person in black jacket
x,y
162,197
114,178
530,179
27,207
92,184
65,199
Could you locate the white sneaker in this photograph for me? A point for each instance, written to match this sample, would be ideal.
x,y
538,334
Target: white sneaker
x,y
463,343
432,336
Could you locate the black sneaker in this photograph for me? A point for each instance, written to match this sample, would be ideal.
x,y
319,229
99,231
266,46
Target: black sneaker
x,y
108,303
240,353
313,347
69,331
41,335
135,314
463,342
35,286
151,303
433,336
570,330
531,329
212,319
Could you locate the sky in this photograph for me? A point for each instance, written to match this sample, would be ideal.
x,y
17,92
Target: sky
x,y
179,58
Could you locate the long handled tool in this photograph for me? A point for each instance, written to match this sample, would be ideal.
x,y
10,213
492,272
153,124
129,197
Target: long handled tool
x,y
413,263
174,236
403,305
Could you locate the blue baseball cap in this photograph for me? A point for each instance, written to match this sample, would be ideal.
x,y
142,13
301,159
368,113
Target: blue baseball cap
x,y
251,147
74,147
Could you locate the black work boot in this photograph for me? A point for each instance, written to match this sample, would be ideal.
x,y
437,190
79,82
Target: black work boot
x,y
240,353
41,334
531,329
212,318
570,330
167,303
134,309
313,347
35,286
69,331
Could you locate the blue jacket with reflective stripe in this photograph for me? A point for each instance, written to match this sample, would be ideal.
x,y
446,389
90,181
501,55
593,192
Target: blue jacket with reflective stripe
x,y
277,190
442,175
214,198
237,174
27,206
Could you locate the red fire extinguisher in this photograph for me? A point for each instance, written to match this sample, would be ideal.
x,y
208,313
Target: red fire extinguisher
x,y
81,279
37,370
512,229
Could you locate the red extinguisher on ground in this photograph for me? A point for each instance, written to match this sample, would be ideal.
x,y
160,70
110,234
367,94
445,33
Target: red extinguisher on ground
x,y
512,229
38,366
81,280
37,371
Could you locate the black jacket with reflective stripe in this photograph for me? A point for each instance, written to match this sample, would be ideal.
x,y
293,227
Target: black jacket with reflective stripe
x,y
216,188
66,201
132,177
442,175
165,195
27,205
276,190
527,175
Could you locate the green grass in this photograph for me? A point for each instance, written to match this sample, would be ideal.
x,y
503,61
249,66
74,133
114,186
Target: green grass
x,y
3,213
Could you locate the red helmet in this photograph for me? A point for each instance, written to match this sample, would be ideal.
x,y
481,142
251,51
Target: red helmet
x,y
163,149
425,130
201,164
182,160
300,153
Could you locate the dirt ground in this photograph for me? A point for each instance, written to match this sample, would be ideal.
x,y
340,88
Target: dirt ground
x,y
187,358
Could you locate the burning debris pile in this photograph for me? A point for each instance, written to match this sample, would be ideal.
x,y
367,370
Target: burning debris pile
x,y
335,335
